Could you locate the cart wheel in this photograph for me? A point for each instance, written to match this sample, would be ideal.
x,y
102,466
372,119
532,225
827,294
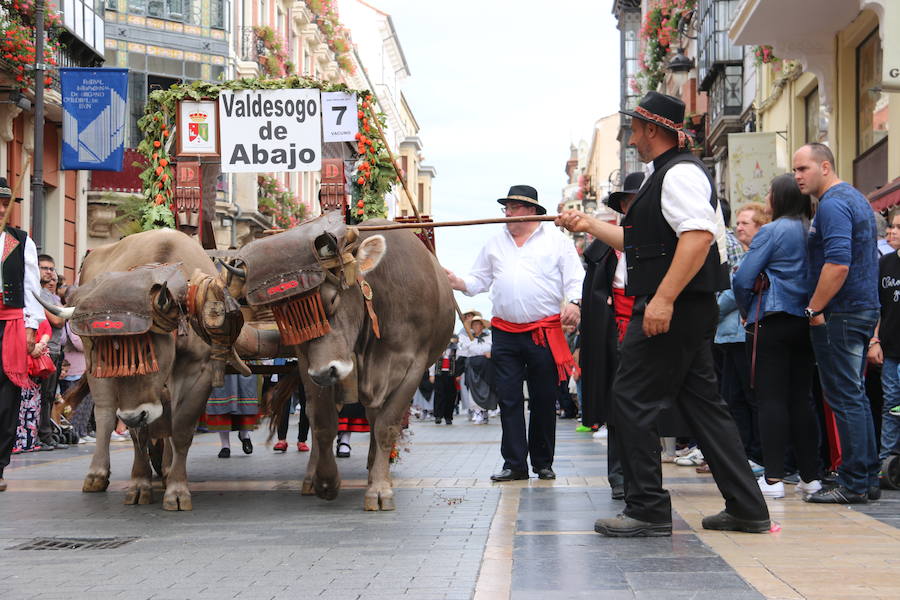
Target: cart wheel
x,y
890,472
71,437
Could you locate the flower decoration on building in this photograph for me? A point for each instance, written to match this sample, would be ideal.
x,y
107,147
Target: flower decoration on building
x,y
278,203
17,50
336,35
658,31
373,178
274,61
763,55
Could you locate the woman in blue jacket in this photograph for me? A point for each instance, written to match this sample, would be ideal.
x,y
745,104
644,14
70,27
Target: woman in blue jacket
x,y
783,352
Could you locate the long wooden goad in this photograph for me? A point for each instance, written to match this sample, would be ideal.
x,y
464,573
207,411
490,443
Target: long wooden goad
x,y
524,219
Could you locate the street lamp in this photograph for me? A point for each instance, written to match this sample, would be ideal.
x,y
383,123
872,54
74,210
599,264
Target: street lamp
x,y
680,63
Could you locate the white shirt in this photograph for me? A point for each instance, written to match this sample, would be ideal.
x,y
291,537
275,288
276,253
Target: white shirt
x,y
474,347
685,203
620,276
528,283
33,313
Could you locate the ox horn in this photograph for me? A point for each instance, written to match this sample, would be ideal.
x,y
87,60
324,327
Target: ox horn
x,y
64,312
238,272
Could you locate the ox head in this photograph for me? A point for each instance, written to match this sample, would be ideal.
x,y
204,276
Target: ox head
x,y
313,278
128,321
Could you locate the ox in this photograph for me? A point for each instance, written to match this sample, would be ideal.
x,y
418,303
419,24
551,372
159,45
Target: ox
x,y
368,315
144,364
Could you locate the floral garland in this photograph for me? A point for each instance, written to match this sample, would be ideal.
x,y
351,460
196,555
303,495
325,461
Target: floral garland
x,y
18,30
764,55
373,178
336,35
278,203
659,30
275,62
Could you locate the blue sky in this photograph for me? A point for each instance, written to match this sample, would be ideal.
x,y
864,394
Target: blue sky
x,y
500,89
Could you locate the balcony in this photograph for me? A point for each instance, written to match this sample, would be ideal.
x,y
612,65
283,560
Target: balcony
x,y
714,50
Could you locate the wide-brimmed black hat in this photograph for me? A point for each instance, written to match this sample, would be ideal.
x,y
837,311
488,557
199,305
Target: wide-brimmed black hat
x,y
633,183
665,111
5,192
524,194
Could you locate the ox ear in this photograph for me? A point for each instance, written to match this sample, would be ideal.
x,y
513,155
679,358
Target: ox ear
x,y
370,253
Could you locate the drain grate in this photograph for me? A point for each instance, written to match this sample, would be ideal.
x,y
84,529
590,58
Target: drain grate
x,y
74,543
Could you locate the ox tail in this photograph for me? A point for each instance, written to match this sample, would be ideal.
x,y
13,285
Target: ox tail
x,y
276,399
76,393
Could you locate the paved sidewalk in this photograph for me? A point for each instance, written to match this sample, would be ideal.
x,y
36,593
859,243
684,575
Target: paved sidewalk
x,y
454,535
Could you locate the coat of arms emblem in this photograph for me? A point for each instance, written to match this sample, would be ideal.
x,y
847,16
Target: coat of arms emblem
x,y
198,128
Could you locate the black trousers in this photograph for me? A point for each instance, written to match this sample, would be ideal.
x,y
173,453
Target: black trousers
x,y
567,404
10,399
302,424
735,388
613,458
48,398
677,366
784,372
517,359
444,396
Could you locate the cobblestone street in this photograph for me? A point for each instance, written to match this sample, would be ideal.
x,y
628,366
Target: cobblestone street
x,y
454,535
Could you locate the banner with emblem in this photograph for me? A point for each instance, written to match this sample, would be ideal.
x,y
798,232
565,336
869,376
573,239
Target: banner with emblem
x,y
754,159
94,118
197,128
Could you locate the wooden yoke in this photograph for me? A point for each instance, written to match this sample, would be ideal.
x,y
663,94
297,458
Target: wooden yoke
x,y
412,203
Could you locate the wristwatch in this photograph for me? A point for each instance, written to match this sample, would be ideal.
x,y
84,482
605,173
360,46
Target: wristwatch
x,y
810,313
576,303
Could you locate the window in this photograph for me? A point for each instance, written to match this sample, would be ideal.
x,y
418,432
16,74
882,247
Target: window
x,y
421,196
726,94
871,102
217,14
811,110
112,5
714,49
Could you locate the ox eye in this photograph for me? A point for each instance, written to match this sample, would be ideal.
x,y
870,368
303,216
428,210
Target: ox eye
x,y
326,246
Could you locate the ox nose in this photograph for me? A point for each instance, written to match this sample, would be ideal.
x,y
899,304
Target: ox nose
x,y
135,419
144,414
325,377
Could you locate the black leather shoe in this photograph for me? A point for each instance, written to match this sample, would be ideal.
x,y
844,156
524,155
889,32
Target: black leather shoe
x,y
247,446
225,453
546,473
725,522
509,475
875,493
623,526
618,492
836,495
437,421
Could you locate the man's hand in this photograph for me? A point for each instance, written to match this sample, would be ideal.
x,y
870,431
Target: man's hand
x,y
657,316
431,379
817,320
570,315
455,282
574,220
875,354
29,339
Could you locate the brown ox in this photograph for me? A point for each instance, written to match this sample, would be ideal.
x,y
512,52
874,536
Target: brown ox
x,y
121,293
414,306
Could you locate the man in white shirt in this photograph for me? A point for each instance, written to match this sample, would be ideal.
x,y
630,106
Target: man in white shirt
x,y
673,236
20,315
531,270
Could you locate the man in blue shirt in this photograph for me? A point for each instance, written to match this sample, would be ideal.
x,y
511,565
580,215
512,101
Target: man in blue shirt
x,y
842,311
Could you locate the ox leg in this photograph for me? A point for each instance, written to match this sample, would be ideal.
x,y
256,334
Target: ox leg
x,y
140,490
188,403
97,478
322,476
386,423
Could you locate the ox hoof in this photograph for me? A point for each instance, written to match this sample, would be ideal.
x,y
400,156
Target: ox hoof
x,y
379,501
177,499
139,493
327,490
95,482
307,488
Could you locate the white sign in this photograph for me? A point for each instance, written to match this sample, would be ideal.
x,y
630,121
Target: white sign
x,y
339,117
270,131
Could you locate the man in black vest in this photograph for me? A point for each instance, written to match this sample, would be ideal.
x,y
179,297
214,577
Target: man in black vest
x,y
20,314
673,239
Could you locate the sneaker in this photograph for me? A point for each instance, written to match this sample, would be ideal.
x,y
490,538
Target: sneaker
x,y
119,437
691,459
601,434
685,451
809,487
280,446
582,429
87,439
770,490
757,468
792,479
895,411
874,493
837,495
302,447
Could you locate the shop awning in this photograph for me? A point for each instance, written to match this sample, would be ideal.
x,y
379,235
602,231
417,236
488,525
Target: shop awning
x,y
886,196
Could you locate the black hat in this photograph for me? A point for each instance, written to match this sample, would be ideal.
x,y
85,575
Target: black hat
x,y
665,111
5,192
524,194
632,185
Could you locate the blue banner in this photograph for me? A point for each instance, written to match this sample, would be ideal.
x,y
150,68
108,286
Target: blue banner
x,y
95,118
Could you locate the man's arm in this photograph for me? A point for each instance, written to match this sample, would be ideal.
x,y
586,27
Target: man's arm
x,y
835,224
33,313
577,221
831,280
479,279
690,254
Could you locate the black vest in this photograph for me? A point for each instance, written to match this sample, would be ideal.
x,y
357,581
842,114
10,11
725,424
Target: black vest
x,y
14,271
650,241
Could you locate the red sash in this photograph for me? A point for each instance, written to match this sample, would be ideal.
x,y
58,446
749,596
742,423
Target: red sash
x,y
15,348
547,331
622,307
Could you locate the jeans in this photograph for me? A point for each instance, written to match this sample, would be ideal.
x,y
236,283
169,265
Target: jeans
x,y
840,349
890,424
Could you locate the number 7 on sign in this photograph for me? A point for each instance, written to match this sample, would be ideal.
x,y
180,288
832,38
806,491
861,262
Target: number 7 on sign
x,y
335,128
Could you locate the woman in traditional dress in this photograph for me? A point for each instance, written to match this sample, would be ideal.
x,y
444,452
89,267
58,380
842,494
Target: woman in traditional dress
x,y
479,374
234,407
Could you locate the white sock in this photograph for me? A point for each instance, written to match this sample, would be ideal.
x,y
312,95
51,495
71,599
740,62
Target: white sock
x,y
225,439
344,437
243,435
